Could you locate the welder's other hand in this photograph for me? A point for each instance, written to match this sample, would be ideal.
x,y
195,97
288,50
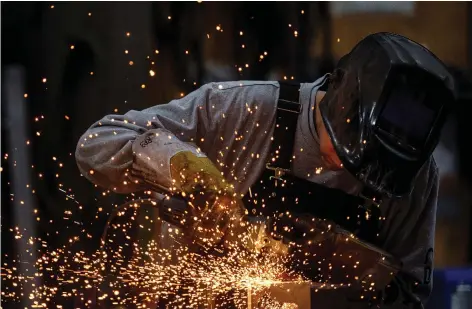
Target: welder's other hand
x,y
192,174
341,258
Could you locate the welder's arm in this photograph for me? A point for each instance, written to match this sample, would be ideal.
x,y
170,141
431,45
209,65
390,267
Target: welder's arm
x,y
125,153
411,240
416,253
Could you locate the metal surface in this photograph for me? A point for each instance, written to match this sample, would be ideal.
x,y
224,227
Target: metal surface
x,y
291,295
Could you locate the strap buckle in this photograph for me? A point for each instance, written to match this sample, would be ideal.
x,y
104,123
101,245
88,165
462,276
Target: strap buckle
x,y
289,106
370,201
279,172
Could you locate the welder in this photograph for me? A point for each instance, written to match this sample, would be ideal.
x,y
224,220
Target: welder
x,y
352,149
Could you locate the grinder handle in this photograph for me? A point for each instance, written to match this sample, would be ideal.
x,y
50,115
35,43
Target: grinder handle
x,y
175,210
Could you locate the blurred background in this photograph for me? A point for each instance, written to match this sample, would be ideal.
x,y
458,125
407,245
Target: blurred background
x,y
67,64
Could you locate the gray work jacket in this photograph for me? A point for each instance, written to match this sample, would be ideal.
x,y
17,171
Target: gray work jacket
x,y
232,123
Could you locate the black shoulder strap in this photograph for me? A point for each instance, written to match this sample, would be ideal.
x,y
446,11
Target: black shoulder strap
x,y
288,110
299,195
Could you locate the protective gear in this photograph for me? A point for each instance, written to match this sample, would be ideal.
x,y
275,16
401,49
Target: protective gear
x,y
326,253
213,218
210,204
384,109
313,221
204,217
192,174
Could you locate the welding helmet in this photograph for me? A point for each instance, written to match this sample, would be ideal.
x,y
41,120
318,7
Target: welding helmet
x,y
385,106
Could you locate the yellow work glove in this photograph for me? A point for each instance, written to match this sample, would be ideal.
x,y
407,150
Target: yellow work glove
x,y
215,206
191,173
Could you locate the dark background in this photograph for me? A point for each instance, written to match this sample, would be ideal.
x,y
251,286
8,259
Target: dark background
x,y
92,67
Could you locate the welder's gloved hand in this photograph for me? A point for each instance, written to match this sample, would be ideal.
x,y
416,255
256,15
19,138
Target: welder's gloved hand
x,y
215,209
339,257
195,174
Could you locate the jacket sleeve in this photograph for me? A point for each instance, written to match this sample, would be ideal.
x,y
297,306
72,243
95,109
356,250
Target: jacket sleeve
x,y
125,153
413,243
414,283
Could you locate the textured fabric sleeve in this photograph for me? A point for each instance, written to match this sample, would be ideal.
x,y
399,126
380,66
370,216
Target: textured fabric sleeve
x,y
124,152
417,250
411,240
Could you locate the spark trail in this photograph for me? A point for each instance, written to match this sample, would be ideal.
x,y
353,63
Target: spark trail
x,y
139,274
